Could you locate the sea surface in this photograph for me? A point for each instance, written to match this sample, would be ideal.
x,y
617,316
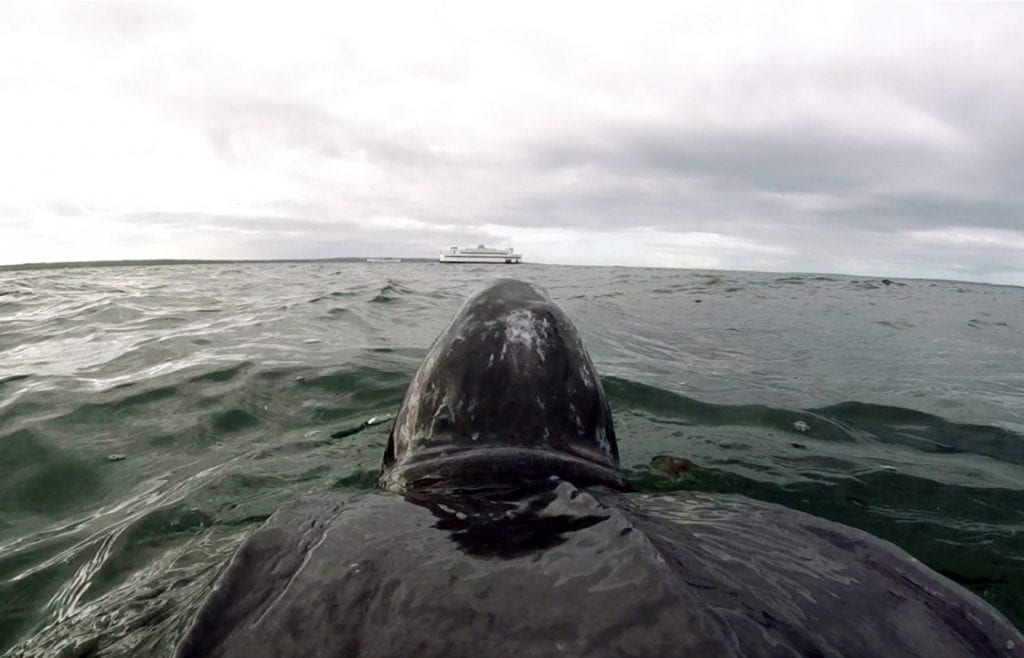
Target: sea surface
x,y
152,416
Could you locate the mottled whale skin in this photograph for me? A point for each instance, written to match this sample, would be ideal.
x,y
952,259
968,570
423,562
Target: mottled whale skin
x,y
506,393
504,528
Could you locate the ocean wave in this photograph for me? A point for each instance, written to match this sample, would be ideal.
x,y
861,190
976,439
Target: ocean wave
x,y
172,408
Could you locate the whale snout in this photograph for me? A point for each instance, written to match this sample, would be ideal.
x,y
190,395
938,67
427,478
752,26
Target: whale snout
x,y
506,393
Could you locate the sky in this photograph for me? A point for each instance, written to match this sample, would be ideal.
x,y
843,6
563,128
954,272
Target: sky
x,y
869,139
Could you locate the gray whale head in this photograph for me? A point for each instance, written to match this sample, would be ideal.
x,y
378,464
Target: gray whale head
x,y
506,395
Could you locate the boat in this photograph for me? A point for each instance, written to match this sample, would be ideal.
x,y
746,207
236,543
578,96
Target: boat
x,y
383,259
479,254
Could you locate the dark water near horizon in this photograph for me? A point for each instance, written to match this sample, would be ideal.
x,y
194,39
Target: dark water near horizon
x,y
152,416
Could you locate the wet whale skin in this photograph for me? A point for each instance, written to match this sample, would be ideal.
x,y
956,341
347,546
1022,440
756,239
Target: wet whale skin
x,y
504,528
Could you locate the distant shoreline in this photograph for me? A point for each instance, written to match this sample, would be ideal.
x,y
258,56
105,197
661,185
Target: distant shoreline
x,y
405,261
193,261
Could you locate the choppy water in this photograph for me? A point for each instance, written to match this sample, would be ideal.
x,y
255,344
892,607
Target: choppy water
x,y
894,407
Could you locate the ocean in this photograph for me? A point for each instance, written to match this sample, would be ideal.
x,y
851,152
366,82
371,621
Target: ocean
x,y
151,416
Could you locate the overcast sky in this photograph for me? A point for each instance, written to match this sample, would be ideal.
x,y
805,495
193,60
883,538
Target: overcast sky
x,y
874,139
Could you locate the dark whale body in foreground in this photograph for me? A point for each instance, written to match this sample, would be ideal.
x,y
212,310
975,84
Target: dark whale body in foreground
x,y
506,530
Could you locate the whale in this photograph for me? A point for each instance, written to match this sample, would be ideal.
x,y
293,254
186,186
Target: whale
x,y
503,526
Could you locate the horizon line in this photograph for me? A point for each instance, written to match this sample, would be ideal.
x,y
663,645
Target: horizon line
x,y
149,262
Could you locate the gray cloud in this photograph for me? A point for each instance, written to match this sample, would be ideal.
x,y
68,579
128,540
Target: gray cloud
x,y
121,20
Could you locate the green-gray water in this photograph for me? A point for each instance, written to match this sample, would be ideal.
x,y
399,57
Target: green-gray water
x,y
151,416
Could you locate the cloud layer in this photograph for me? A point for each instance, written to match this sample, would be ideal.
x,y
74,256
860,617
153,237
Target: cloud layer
x,y
869,139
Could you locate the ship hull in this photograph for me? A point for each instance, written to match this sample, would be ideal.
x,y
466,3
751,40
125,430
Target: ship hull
x,y
499,260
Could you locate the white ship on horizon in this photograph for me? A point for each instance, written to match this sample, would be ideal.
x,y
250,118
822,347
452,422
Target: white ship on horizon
x,y
383,259
480,254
